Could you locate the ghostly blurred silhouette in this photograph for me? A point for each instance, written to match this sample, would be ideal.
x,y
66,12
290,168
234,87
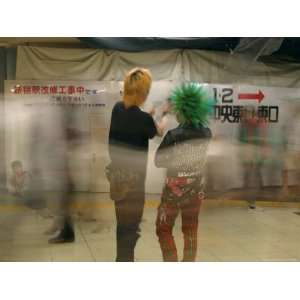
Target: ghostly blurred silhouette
x,y
183,153
129,135
291,155
49,159
253,135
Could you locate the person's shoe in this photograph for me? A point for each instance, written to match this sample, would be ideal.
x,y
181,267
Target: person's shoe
x,y
252,206
62,238
66,235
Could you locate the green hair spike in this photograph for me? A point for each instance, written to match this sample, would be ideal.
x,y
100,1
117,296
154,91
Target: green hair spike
x,y
192,102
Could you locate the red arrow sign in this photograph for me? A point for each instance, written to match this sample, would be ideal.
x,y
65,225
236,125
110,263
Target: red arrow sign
x,y
248,96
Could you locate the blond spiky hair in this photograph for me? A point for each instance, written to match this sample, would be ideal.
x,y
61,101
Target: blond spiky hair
x,y
137,84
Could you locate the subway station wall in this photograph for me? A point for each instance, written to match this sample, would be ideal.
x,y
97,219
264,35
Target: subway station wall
x,y
57,66
33,130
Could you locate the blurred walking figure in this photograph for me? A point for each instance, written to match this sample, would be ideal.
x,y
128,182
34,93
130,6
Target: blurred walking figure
x,y
129,135
49,159
183,153
254,152
291,168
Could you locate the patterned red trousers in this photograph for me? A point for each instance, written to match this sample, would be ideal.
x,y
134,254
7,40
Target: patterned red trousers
x,y
167,214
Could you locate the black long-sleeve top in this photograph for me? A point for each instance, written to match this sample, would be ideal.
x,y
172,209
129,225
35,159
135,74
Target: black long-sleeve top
x,y
129,135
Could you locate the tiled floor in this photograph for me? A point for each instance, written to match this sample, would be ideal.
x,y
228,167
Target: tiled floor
x,y
226,233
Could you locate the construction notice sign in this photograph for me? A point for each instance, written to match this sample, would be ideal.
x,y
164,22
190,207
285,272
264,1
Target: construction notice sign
x,y
50,122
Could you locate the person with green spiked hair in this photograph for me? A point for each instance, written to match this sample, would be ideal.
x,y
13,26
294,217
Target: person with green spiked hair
x,y
183,153
192,104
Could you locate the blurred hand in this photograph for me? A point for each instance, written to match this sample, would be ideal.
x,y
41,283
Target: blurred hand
x,y
166,107
162,125
164,122
152,111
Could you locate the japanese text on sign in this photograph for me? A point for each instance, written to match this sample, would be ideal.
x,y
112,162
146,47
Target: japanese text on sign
x,y
52,90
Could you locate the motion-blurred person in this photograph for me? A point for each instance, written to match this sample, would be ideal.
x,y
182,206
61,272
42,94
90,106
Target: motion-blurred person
x,y
253,137
291,168
66,233
50,160
183,153
129,135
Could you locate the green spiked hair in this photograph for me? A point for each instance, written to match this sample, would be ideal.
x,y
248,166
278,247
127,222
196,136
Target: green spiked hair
x,y
191,101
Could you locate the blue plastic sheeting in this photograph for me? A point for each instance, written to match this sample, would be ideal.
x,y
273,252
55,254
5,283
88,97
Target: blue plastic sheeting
x,y
288,51
137,44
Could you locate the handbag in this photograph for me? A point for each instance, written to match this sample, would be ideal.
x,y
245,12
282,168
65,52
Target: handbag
x,y
121,180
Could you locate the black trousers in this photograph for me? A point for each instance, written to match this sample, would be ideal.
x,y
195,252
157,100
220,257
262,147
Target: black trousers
x,y
62,211
129,212
253,181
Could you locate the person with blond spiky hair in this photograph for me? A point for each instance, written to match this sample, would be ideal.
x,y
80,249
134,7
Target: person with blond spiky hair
x,y
183,153
130,131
